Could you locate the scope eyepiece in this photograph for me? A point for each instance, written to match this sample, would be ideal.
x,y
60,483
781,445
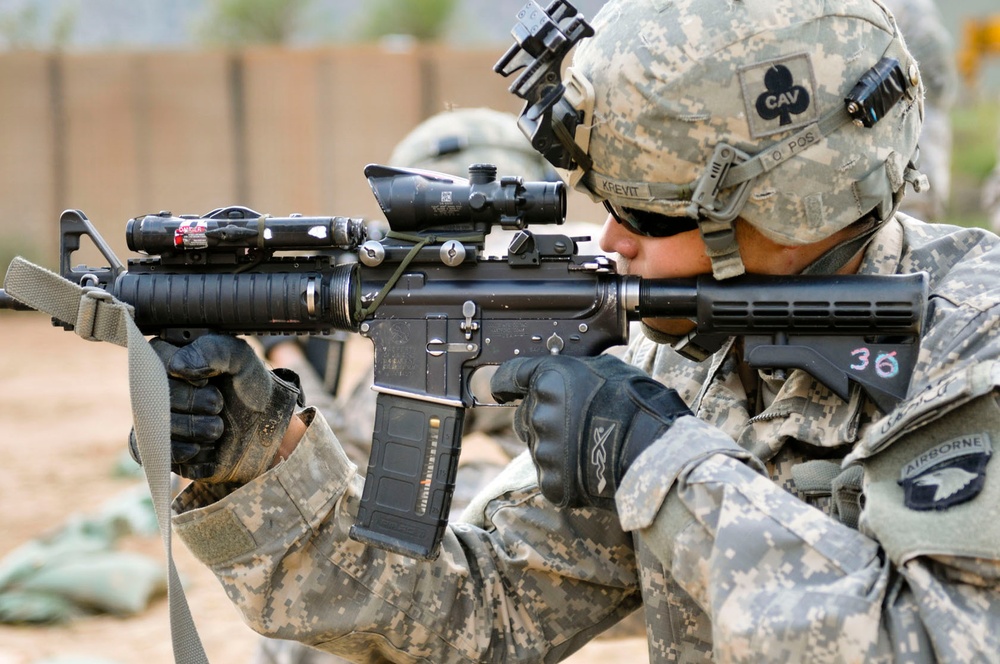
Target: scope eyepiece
x,y
417,200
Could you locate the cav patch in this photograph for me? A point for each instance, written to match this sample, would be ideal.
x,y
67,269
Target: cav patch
x,y
951,473
779,95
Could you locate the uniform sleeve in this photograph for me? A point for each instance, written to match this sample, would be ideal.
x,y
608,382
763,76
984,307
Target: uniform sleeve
x,y
527,584
781,581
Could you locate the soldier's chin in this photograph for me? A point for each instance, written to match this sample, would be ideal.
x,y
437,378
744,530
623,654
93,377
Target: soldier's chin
x,y
677,327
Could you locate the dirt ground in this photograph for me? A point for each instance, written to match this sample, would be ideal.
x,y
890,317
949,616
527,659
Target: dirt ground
x,y
64,417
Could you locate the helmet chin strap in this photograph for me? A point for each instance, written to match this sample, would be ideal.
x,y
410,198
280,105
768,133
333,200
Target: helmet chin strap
x,y
734,170
716,218
698,347
721,248
832,260
841,254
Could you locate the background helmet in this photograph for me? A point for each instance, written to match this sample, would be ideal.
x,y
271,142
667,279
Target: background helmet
x,y
672,81
450,141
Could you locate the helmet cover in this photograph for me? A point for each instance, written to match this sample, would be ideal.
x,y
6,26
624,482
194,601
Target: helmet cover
x,y
673,79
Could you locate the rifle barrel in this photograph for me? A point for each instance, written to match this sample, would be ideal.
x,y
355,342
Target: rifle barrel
x,y
8,302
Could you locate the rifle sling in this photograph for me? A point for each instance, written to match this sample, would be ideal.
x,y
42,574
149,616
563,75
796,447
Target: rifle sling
x,y
98,316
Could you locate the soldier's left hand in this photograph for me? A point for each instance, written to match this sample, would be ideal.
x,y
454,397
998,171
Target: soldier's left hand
x,y
228,412
585,421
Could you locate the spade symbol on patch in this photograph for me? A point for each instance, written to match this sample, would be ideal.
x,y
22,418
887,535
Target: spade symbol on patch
x,y
783,98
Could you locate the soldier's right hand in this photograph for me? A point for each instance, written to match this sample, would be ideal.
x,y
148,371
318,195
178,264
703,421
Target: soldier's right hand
x,y
228,412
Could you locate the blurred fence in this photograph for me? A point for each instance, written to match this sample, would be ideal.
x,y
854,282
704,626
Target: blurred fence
x,y
282,131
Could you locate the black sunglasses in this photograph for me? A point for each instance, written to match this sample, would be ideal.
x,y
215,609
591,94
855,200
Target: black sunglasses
x,y
649,224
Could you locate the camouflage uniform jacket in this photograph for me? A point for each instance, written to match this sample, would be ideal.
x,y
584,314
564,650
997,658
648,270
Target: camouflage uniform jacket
x,y
725,562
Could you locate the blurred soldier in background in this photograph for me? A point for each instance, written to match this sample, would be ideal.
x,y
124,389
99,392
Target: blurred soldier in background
x,y
452,140
446,143
923,29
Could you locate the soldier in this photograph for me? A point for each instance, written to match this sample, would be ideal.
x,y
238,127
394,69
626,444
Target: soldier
x,y
448,142
753,515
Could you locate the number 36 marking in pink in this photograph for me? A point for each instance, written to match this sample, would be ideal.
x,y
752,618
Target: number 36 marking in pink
x,y
886,365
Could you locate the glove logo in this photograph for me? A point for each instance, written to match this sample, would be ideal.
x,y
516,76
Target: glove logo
x,y
598,451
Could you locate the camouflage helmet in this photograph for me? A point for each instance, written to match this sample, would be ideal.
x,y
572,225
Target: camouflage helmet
x,y
450,141
748,95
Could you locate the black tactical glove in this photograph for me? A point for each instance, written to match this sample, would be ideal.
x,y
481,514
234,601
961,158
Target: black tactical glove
x,y
228,413
585,421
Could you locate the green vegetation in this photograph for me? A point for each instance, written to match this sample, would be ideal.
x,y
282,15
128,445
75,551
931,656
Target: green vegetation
x,y
244,22
426,20
23,28
976,130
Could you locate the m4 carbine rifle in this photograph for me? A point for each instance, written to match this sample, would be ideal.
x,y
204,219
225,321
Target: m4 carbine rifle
x,y
438,308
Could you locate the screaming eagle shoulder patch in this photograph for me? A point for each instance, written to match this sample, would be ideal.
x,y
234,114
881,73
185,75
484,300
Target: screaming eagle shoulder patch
x,y
779,95
950,473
